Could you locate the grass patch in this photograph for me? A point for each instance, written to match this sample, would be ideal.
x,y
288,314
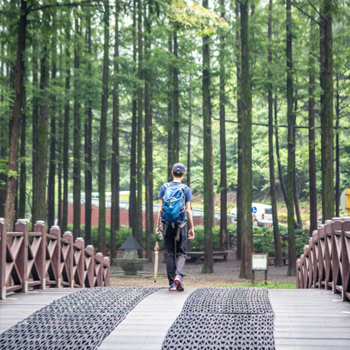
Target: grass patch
x,y
268,285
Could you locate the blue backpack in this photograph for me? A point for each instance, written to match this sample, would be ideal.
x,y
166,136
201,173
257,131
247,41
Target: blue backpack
x,y
173,210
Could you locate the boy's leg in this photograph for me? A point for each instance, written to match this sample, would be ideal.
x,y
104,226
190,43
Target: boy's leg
x,y
181,254
169,252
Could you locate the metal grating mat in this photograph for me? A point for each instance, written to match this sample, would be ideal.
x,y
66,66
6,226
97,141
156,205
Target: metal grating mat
x,y
229,301
223,319
77,321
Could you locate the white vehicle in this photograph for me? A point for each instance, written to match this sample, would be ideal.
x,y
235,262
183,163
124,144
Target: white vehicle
x,y
261,213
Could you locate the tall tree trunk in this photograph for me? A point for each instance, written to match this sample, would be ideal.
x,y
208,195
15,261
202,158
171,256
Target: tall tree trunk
x,y
43,132
170,113
3,144
276,231
11,190
299,223
337,179
280,175
103,137
326,55
188,178
246,262
176,102
88,145
23,176
35,138
207,159
223,175
312,143
66,132
60,149
138,235
239,119
148,141
291,144
132,198
77,135
52,160
115,211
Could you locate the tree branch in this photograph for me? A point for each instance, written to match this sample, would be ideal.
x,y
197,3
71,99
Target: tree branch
x,y
61,5
312,5
306,14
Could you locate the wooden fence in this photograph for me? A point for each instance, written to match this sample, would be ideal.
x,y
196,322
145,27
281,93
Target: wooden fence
x,y
39,260
326,260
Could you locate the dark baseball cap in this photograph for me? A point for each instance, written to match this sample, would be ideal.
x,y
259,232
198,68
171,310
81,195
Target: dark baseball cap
x,y
179,167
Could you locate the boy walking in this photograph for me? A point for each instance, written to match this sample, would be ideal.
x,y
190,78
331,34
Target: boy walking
x,y
175,212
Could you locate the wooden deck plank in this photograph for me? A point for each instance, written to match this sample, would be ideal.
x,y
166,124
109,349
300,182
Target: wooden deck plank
x,y
153,316
310,319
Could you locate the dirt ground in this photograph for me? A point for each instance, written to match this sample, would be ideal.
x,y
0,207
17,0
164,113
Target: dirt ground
x,y
225,273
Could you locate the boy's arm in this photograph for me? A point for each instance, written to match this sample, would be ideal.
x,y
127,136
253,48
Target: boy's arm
x,y
159,229
189,220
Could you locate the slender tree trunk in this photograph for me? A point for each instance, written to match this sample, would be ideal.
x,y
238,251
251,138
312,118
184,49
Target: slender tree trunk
x,y
23,176
276,231
207,159
223,175
326,49
280,175
35,141
43,133
60,150
337,179
299,223
138,235
115,211
239,117
148,143
188,178
103,137
132,198
170,113
312,143
77,135
176,147
52,160
88,145
3,143
16,119
66,133
246,262
291,145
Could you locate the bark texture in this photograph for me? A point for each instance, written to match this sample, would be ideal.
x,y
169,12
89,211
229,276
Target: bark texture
x,y
208,264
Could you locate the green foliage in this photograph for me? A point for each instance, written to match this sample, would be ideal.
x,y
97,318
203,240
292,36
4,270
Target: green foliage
x,y
269,285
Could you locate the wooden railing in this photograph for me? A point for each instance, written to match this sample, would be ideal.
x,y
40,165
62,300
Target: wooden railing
x,y
40,260
326,260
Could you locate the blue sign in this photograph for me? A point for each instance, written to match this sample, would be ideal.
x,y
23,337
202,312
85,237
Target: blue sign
x,y
254,210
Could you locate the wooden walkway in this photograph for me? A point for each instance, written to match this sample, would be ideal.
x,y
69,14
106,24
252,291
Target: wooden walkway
x,y
304,318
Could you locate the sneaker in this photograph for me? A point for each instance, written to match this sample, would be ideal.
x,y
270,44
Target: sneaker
x,y
179,284
173,287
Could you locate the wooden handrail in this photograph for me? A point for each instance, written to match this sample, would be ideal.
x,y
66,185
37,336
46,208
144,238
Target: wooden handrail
x,y
325,262
49,260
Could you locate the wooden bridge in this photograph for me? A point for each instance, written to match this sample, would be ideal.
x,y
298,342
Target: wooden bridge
x,y
313,316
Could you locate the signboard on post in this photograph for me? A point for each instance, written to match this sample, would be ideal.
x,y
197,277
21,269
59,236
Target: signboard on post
x,y
259,263
345,201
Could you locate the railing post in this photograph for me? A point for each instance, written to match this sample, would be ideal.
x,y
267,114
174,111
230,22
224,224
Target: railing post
x,y
89,266
3,241
55,246
22,258
98,269
78,263
346,259
41,255
106,271
67,258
